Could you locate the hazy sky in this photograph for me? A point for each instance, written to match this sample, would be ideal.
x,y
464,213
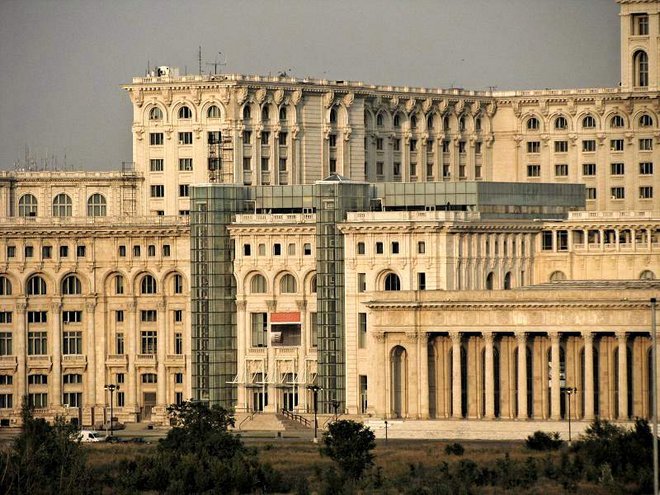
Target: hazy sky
x,y
62,61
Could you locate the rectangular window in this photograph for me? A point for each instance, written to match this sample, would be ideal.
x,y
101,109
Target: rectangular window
x,y
617,168
379,144
646,192
395,247
380,167
262,249
120,399
213,137
72,399
646,144
413,145
313,330
178,343
6,401
618,193
533,146
362,330
562,240
167,250
7,379
247,137
421,281
156,139
247,163
72,342
37,343
591,192
361,248
119,343
72,379
148,342
561,170
178,378
588,169
11,251
259,322
332,140
533,170
282,138
396,169
136,251
461,147
379,248
178,316
307,249
546,241
185,164
185,138
119,316
37,379
589,145
184,190
477,148
291,249
396,144
46,252
265,163
362,282
37,317
333,165
120,378
413,169
64,251
156,165
5,344
122,251
38,400
247,249
282,164
28,251
5,317
640,24
616,144
151,250
80,251
71,317
646,168
157,191
277,249
561,146
147,315
265,138
421,247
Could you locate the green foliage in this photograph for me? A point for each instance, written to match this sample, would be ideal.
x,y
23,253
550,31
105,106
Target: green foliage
x,y
454,449
349,444
44,459
541,440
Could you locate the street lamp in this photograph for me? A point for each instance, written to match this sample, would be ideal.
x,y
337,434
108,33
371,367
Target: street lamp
x,y
654,381
335,405
111,388
569,391
385,430
315,390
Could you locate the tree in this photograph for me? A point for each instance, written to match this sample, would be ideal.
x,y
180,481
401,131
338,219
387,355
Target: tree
x,y
349,444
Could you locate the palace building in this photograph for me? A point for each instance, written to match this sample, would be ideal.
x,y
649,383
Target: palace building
x,y
415,252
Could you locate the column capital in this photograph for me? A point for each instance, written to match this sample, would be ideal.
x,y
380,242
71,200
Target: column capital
x,y
161,305
587,337
455,337
521,338
554,337
271,304
241,304
621,336
488,337
302,304
379,336
90,306
56,307
21,307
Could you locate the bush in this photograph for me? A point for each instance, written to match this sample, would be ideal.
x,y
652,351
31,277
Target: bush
x,y
541,440
454,449
349,444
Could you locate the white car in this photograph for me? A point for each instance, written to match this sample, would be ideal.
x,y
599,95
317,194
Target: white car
x,y
87,436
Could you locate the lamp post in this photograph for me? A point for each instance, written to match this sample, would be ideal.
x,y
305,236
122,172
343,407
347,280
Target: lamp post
x,y
335,405
111,388
654,382
315,390
385,430
569,391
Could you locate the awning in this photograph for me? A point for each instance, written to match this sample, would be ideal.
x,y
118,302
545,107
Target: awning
x,y
288,317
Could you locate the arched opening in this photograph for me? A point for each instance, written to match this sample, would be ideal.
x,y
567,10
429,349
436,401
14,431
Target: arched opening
x,y
62,205
148,285
489,281
392,282
507,281
640,69
557,276
399,368
647,275
71,286
27,206
213,112
288,284
258,284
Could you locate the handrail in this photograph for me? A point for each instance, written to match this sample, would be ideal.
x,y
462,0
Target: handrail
x,y
296,417
331,419
246,418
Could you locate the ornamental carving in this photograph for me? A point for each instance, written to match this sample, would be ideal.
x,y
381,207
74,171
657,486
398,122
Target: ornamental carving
x,y
241,95
168,131
410,105
600,106
545,107
348,99
412,337
294,132
394,102
196,96
518,139
628,106
328,99
443,105
260,95
56,307
278,96
475,107
198,132
138,130
223,94
459,106
21,307
601,138
167,96
491,109
427,104
572,107
296,96
347,133
379,337
137,97
516,108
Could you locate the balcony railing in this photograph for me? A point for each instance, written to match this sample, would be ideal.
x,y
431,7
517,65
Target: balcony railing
x,y
8,362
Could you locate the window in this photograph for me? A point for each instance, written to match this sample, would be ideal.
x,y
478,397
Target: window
x,y
72,399
184,190
421,247
136,251
618,193
178,378
177,284
166,250
28,251
46,252
307,249
64,251
259,323
148,285
122,251
37,317
38,400
178,343
546,240
379,248
72,342
362,330
380,166
246,112
185,112
533,147
588,169
247,249
155,114
282,138
395,247
262,249
421,281
283,113
361,282
157,191
178,316
392,282
646,144
379,144
617,122
5,317
151,250
185,138
617,168
533,124
119,316
96,205
533,170
445,146
148,342
291,249
461,147
413,145
148,315
647,275
561,170
119,343
185,164
258,284
156,138
213,112
646,168
282,164
477,148
120,399
561,123
5,286
646,192
640,24
6,379
156,165
616,144
288,284
646,121
265,114
589,145
36,286
640,69
149,377
11,251
561,146
396,144
27,206
588,122
265,163
62,206
37,343
333,115
590,192
277,249
72,379
80,251
71,317
214,137
5,344
361,248
265,138
379,120
247,137
313,330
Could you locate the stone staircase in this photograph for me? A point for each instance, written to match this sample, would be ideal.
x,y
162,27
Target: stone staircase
x,y
291,425
258,422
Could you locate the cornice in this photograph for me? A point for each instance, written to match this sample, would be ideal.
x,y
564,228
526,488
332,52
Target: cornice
x,y
489,306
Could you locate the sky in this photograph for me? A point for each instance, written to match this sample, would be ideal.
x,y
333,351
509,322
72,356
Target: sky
x,y
62,62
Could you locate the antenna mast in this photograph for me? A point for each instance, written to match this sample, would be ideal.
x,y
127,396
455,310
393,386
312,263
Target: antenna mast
x,y
199,59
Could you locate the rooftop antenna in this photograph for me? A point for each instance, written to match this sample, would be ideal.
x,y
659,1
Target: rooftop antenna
x,y
216,63
199,59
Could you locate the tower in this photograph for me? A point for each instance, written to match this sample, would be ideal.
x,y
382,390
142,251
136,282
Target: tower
x,y
640,35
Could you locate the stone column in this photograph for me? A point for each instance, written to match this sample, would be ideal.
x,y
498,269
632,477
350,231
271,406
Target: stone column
x,y
20,350
457,388
623,376
302,356
91,354
161,349
271,367
131,340
522,375
423,354
489,376
56,375
242,330
588,376
555,385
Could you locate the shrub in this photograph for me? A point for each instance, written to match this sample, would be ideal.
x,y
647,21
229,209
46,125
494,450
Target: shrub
x,y
541,440
349,444
454,449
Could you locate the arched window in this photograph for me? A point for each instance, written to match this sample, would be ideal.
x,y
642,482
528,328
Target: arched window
x,y
588,122
62,206
119,284
71,285
561,123
392,282
379,120
445,123
258,284
265,114
282,113
646,121
36,286
288,284
333,115
397,120
5,286
148,285
177,284
313,285
213,112
96,205
640,69
155,114
617,122
477,124
533,124
429,122
507,281
489,281
557,276
27,206
647,275
413,122
185,112
246,112
461,123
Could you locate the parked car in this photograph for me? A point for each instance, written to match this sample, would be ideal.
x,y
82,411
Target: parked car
x,y
115,425
86,436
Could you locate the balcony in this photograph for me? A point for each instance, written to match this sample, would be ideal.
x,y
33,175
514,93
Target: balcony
x,y
39,362
145,360
175,360
74,361
116,360
286,351
8,363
